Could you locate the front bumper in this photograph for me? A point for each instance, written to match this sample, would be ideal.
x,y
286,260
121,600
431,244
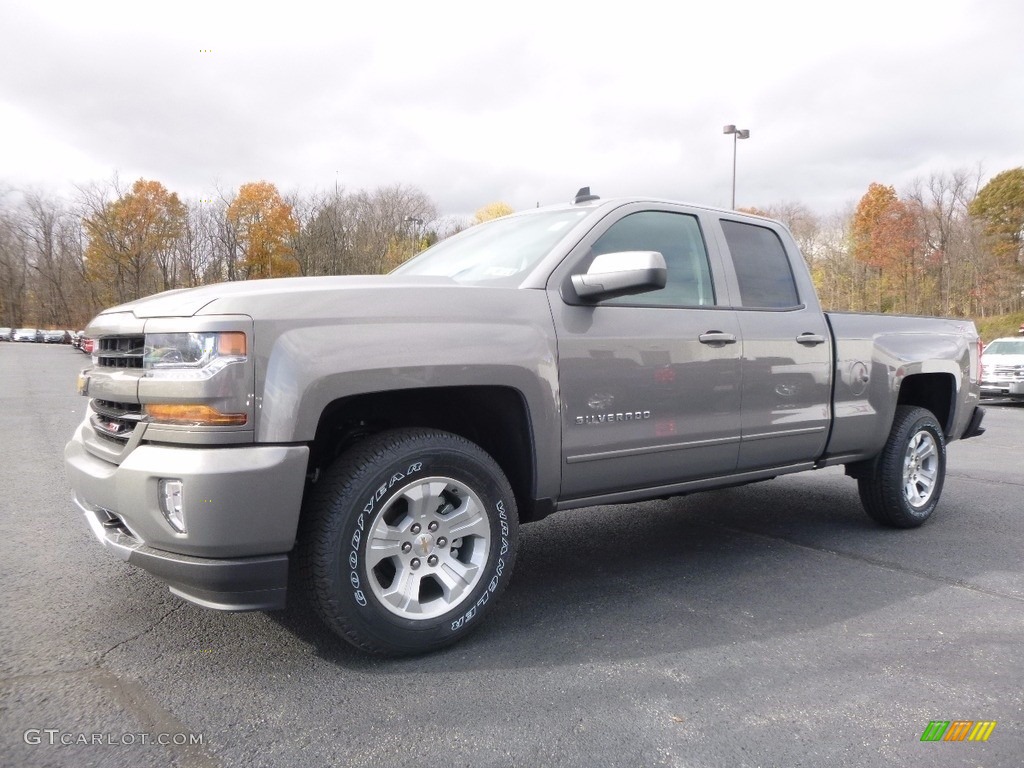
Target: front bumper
x,y
1002,388
241,514
236,584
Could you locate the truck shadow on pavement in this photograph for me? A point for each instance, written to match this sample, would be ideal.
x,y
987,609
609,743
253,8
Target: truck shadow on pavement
x,y
719,568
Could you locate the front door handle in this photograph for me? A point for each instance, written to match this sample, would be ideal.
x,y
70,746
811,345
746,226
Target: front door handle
x,y
717,338
810,339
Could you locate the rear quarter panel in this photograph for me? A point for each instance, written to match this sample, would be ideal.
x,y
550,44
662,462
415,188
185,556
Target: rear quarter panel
x,y
876,354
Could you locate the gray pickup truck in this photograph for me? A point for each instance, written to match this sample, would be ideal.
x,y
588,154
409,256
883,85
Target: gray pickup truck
x,y
374,442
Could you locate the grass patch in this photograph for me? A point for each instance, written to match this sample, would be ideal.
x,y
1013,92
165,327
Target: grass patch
x,y
995,327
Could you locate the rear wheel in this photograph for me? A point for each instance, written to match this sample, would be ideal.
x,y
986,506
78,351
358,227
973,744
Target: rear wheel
x,y
901,486
408,539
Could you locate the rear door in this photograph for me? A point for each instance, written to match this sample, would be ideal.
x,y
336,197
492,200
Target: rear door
x,y
787,352
650,392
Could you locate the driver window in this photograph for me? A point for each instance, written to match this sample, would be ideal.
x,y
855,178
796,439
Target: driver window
x,y
677,237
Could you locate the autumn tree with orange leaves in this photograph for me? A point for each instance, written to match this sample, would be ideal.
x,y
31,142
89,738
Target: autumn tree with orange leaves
x,y
264,225
132,239
948,244
885,238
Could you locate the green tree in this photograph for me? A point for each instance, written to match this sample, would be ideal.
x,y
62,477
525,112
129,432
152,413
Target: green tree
x,y
999,206
999,211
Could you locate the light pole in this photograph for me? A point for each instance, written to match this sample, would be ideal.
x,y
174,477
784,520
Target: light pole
x,y
417,223
737,133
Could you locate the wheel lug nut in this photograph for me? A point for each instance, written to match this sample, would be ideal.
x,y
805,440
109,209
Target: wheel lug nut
x,y
432,527
407,547
432,561
442,542
414,563
415,528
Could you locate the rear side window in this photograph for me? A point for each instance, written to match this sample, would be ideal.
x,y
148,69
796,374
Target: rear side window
x,y
762,267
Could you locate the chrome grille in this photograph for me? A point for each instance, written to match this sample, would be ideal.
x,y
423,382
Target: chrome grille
x,y
115,420
120,351
1008,371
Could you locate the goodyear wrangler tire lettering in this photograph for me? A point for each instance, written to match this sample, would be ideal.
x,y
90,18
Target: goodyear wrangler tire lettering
x,y
408,536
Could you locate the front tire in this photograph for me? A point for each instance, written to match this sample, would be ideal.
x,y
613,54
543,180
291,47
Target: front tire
x,y
902,485
408,539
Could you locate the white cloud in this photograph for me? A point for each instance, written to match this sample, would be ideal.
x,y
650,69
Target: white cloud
x,y
524,102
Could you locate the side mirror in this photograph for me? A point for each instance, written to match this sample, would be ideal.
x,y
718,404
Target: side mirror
x,y
621,274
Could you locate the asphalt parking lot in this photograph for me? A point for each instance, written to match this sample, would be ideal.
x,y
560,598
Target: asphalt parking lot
x,y
771,625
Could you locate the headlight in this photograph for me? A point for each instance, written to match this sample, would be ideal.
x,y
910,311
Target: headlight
x,y
192,355
179,387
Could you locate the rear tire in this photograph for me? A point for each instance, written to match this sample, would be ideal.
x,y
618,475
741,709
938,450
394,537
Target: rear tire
x,y
408,539
901,486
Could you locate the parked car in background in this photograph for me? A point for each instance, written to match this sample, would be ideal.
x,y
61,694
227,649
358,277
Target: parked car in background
x,y
86,345
53,336
6,334
27,334
1002,368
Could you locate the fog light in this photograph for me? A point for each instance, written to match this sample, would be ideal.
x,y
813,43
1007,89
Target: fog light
x,y
170,504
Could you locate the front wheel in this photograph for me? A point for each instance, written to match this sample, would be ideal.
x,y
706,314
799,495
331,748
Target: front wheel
x,y
408,540
901,486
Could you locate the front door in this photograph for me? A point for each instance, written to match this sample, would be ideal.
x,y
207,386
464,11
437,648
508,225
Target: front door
x,y
650,384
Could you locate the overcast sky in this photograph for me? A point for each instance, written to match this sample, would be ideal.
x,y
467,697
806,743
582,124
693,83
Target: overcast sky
x,y
518,101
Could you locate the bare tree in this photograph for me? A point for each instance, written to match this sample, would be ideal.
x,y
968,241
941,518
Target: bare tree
x,y
14,272
948,239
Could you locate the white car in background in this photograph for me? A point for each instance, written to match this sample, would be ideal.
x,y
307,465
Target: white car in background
x,y
1002,368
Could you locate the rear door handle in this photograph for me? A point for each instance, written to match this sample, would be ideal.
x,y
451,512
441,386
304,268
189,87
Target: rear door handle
x,y
810,339
717,338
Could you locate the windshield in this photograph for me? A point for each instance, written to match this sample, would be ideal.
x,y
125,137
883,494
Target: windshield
x,y
498,252
1006,347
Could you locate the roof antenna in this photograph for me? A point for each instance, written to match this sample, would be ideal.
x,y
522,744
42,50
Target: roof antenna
x,y
584,196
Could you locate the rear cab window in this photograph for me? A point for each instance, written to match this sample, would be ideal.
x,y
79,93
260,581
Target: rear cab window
x,y
763,272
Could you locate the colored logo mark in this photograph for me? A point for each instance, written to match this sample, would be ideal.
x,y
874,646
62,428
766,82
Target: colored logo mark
x,y
958,730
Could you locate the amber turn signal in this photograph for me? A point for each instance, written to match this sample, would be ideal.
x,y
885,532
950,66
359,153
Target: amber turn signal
x,y
193,415
232,344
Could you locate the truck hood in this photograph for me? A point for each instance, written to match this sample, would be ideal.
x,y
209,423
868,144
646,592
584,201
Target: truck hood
x,y
245,297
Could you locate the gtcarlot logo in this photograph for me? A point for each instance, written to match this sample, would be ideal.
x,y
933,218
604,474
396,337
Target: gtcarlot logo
x,y
56,737
958,730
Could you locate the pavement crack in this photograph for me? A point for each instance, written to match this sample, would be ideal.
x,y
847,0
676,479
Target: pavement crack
x,y
986,480
879,563
145,631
